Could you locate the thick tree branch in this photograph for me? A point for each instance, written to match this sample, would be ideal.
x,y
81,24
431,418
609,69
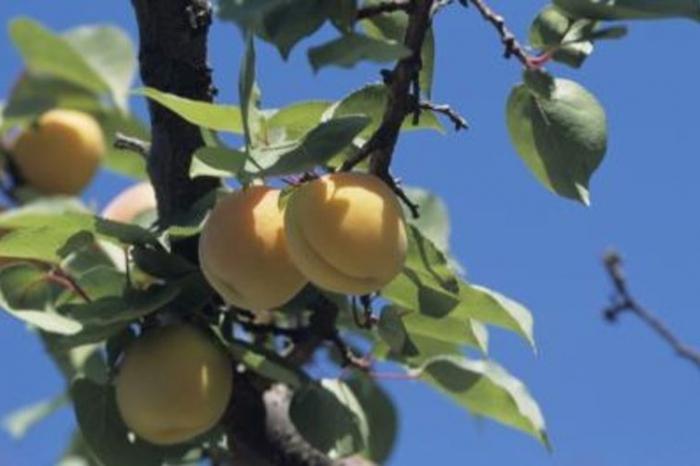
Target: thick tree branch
x,y
513,48
623,301
173,58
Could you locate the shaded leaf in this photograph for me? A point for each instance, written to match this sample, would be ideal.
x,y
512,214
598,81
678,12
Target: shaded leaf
x,y
561,136
19,422
352,48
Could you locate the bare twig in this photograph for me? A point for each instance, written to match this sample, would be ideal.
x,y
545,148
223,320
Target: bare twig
x,y
513,47
128,143
458,120
623,301
389,6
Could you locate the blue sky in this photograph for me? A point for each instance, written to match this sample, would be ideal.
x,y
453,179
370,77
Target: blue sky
x,y
612,396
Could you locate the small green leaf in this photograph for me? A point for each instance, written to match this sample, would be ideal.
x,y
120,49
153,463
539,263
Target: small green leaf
x,y
493,308
27,294
290,22
381,413
226,118
350,49
630,9
48,53
329,416
110,53
114,310
486,389
217,162
561,137
125,163
317,147
19,422
297,119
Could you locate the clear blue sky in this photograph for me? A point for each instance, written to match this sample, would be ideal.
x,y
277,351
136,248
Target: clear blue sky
x,y
612,396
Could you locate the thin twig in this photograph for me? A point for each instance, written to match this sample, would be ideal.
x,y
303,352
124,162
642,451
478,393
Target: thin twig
x,y
384,7
128,143
513,47
458,120
347,355
623,301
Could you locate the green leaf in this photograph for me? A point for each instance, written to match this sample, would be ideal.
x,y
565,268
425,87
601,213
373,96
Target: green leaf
x,y
371,101
412,337
434,221
297,119
553,30
27,294
247,13
493,308
561,136
102,281
226,118
343,14
631,9
46,52
381,413
352,48
290,22
486,389
162,264
113,310
110,53
329,417
317,147
19,422
217,162
104,431
427,283
33,94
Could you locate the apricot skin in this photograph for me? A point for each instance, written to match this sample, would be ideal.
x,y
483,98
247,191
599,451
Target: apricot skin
x,y
346,233
130,203
243,251
61,153
173,385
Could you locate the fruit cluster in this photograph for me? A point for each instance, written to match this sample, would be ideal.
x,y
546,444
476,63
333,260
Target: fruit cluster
x,y
343,232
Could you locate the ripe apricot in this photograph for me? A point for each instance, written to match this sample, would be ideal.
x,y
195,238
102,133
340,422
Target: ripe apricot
x,y
131,203
243,251
346,232
60,154
173,384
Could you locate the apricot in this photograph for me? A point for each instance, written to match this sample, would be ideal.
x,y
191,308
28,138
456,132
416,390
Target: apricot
x,y
346,232
59,154
173,384
243,251
131,203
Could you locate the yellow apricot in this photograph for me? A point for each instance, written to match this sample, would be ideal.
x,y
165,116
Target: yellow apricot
x,y
346,232
60,154
131,203
243,251
173,384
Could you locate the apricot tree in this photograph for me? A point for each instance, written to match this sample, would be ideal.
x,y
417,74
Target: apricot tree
x,y
185,315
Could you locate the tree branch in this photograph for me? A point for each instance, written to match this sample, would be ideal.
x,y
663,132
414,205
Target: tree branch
x,y
458,120
403,99
127,143
512,46
623,301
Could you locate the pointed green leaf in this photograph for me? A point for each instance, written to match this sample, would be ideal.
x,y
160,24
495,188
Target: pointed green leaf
x,y
486,389
225,118
631,9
